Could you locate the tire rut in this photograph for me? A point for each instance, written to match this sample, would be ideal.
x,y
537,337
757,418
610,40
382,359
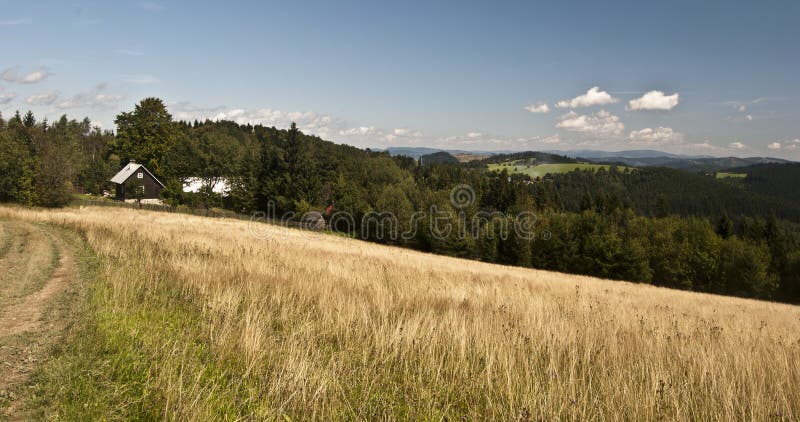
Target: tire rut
x,y
26,335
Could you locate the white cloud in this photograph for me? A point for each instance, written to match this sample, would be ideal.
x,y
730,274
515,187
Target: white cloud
x,y
538,108
593,97
34,77
737,145
11,75
654,100
309,122
774,145
404,135
551,140
96,98
705,145
360,131
7,98
474,135
749,117
601,124
792,145
46,98
742,108
657,136
185,111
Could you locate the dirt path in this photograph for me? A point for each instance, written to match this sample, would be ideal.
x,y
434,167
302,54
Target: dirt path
x,y
31,286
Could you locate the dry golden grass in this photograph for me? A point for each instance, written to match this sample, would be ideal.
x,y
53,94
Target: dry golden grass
x,y
312,326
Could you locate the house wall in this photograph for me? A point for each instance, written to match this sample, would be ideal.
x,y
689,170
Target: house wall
x,y
152,189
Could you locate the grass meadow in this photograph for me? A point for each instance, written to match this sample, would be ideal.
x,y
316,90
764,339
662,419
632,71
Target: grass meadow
x,y
540,170
190,318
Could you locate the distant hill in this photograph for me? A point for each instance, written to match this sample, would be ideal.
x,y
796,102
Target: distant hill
x,y
629,154
414,152
707,164
417,152
530,157
441,157
631,158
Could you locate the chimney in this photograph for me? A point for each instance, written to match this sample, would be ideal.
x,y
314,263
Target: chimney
x,y
133,161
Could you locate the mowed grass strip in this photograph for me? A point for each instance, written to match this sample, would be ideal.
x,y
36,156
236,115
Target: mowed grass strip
x,y
194,318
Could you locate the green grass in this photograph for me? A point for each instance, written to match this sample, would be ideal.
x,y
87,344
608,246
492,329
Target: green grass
x,y
138,334
540,170
725,175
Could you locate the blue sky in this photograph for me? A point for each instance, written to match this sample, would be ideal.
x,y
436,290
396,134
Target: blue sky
x,y
716,78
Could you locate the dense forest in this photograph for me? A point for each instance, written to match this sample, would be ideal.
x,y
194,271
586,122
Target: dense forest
x,y
652,225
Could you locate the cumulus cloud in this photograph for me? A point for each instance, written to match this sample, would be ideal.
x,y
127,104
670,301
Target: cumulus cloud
x,y
46,98
654,100
774,145
657,136
95,98
538,108
278,118
9,75
7,97
183,110
593,97
600,124
403,134
737,145
355,133
705,145
12,75
551,140
792,145
309,122
360,131
34,77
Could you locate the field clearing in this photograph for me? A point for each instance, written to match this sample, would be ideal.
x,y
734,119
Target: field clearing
x,y
466,158
724,175
540,170
195,318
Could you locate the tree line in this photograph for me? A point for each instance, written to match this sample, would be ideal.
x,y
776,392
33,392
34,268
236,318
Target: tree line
x,y
657,226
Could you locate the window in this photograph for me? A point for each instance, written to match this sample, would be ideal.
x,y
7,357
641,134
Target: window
x,y
140,175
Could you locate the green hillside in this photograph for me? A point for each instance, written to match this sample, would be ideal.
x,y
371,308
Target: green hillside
x,y
535,170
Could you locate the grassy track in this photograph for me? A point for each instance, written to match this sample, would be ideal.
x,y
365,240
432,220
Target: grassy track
x,y
38,293
196,319
27,258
